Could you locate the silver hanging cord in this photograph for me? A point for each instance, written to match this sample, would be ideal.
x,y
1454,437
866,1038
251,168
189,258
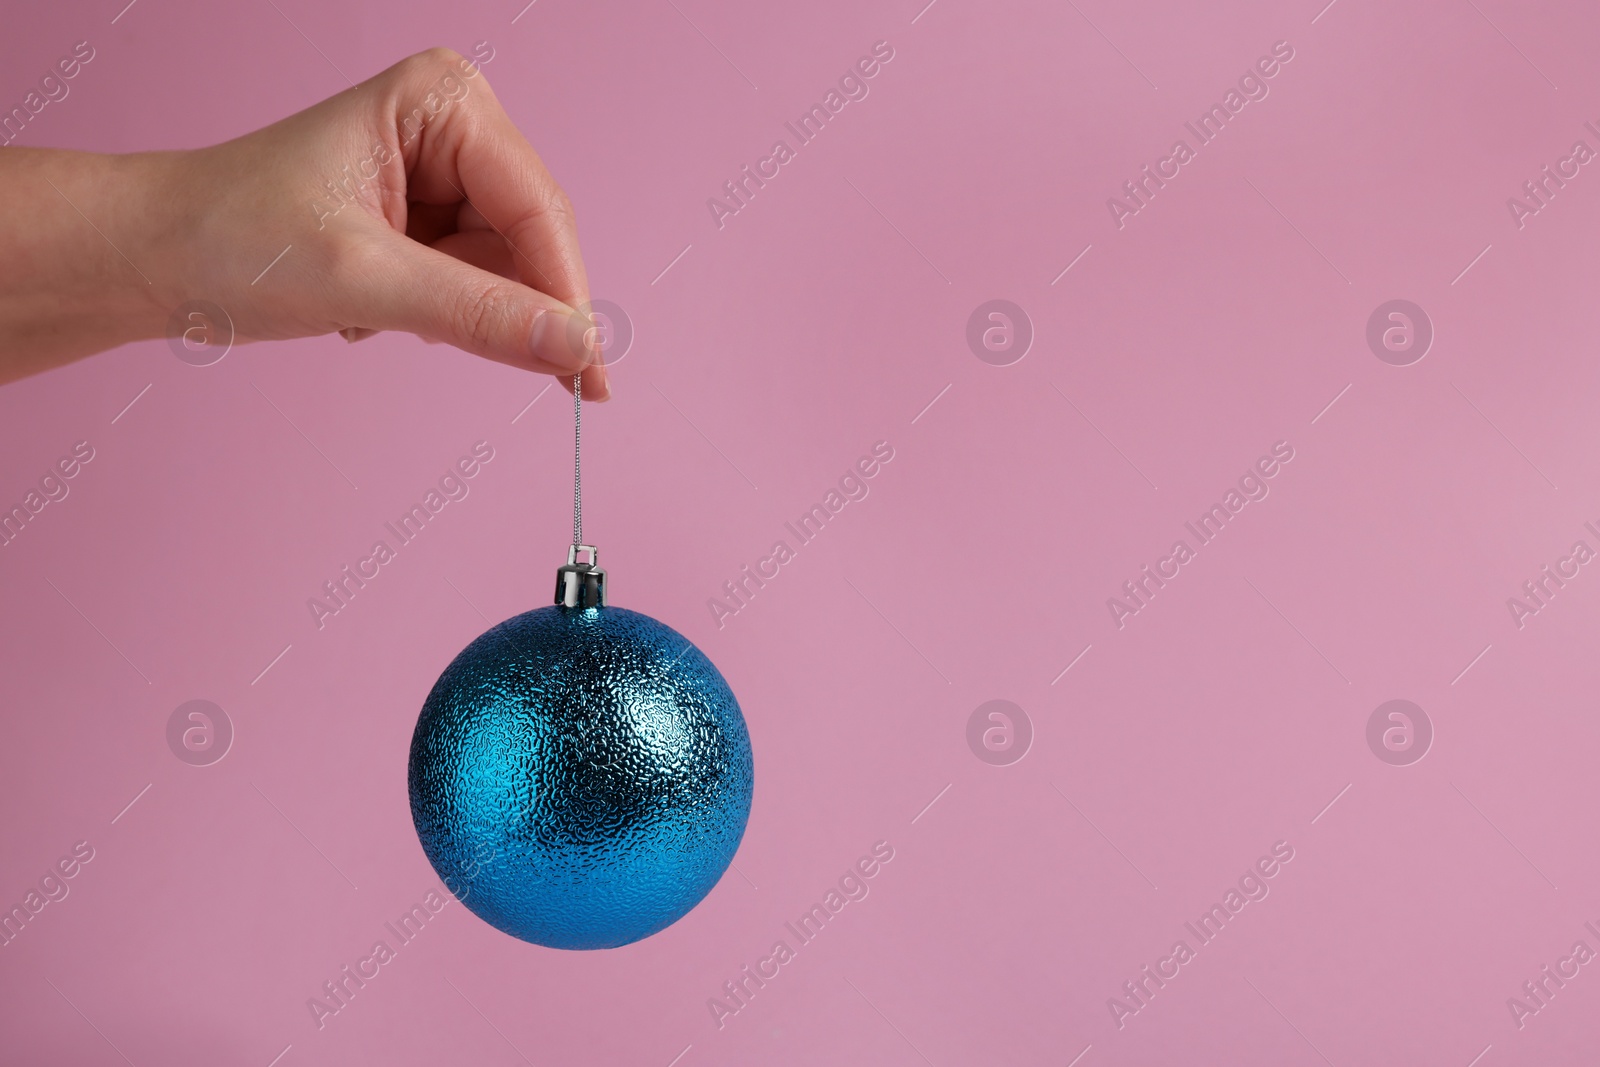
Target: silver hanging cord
x,y
577,458
579,585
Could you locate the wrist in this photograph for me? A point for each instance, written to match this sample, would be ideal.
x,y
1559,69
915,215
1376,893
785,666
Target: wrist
x,y
84,270
143,244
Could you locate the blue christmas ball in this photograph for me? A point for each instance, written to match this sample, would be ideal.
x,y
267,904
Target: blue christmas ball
x,y
580,777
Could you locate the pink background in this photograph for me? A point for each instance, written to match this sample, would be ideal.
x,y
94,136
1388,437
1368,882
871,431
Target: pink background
x,y
1223,718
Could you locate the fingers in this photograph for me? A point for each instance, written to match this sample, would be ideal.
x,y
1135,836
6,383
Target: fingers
x,y
596,383
394,283
471,150
485,249
463,153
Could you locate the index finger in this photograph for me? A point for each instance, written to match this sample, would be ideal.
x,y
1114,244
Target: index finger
x,y
467,148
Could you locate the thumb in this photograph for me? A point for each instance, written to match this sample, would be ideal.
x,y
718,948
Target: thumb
x,y
408,286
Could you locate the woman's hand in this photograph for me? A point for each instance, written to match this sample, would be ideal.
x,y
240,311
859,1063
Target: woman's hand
x,y
409,202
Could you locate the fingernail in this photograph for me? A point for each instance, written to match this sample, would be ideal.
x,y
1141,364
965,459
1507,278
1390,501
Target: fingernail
x,y
550,339
562,338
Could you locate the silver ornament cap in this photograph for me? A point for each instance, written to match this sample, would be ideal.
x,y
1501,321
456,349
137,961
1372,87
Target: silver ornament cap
x,y
581,585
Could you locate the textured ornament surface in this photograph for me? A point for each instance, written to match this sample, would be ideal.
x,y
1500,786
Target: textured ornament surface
x,y
580,778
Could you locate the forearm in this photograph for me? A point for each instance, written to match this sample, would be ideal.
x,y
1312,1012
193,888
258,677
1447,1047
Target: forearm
x,y
80,249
